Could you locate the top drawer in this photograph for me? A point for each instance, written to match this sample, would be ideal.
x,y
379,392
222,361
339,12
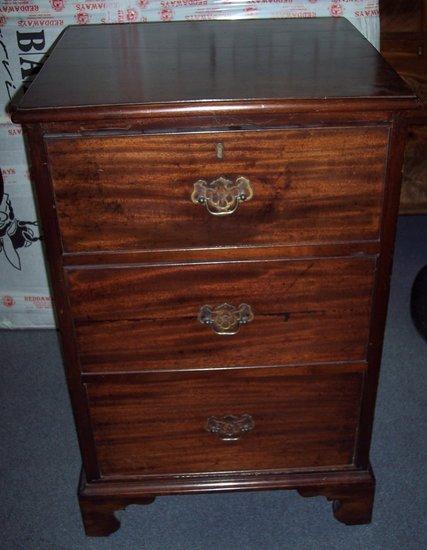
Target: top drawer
x,y
131,192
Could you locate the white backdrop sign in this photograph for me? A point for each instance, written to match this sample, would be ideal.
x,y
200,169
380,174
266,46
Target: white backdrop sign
x,y
27,30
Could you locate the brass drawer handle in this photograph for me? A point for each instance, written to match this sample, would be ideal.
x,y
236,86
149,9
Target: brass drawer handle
x,y
222,196
230,427
225,319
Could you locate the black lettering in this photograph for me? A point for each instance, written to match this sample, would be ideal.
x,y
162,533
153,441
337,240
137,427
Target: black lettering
x,y
31,67
30,40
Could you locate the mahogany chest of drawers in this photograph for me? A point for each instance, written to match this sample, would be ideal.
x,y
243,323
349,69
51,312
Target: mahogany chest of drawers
x,y
219,203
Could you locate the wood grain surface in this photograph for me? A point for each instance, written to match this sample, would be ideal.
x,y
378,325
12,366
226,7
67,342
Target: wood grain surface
x,y
134,192
402,16
413,199
147,67
404,45
159,425
145,318
121,121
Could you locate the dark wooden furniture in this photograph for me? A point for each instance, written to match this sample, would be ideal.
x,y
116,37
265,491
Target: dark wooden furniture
x,y
419,302
219,223
404,45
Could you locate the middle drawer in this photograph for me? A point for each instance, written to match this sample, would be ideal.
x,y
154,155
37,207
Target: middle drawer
x,y
198,316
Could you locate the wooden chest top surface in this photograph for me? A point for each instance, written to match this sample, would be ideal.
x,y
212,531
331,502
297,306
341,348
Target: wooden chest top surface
x,y
180,63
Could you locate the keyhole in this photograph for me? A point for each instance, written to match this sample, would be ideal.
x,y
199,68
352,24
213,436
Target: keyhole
x,y
219,148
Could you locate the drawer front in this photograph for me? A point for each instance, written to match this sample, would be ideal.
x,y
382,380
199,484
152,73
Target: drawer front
x,y
182,317
267,187
250,419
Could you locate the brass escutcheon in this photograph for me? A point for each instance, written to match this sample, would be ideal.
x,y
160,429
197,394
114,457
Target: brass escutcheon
x,y
230,427
225,319
222,196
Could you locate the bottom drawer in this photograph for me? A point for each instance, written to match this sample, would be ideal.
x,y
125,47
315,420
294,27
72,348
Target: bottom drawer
x,y
243,419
